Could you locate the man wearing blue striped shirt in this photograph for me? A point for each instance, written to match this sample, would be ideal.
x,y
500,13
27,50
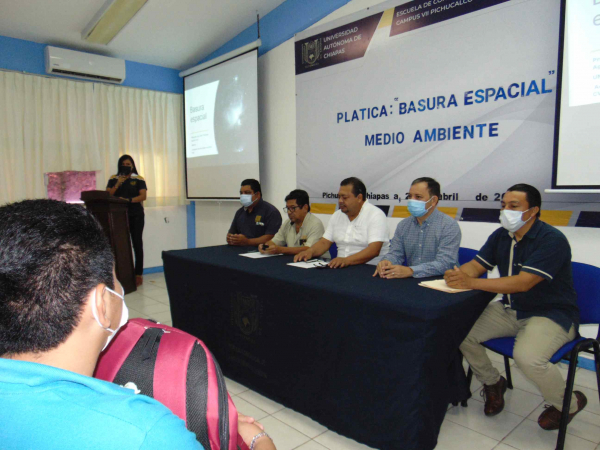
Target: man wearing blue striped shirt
x,y
425,244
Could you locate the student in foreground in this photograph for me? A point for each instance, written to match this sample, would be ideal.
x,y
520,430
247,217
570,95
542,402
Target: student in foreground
x,y
60,305
539,305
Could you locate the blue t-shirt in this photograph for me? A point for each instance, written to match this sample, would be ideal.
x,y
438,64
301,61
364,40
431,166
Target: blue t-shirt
x,y
42,407
543,251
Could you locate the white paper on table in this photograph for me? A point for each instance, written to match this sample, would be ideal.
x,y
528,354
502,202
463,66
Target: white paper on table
x,y
441,285
308,264
256,255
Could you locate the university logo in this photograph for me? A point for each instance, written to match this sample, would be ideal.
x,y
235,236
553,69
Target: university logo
x,y
245,312
311,51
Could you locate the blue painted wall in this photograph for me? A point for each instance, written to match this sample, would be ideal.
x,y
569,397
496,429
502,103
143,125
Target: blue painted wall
x,y
27,56
281,24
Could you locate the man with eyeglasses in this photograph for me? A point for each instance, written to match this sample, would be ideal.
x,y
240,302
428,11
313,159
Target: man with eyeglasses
x,y
299,232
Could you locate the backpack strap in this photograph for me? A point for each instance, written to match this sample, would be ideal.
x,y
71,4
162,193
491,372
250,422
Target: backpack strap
x,y
111,360
170,371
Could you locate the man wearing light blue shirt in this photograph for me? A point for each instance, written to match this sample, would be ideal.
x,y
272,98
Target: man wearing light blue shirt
x,y
425,244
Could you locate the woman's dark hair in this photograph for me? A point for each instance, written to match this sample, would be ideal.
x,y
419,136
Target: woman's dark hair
x,y
52,254
300,196
123,158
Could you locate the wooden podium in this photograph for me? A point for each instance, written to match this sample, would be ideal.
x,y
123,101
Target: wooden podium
x,y
111,212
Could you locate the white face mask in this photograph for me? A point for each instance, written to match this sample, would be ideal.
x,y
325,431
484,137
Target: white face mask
x,y
511,220
246,200
124,315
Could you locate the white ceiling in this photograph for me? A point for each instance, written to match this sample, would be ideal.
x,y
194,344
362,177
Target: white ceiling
x,y
168,33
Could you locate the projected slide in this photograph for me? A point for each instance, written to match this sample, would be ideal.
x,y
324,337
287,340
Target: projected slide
x,y
583,22
577,162
200,131
221,127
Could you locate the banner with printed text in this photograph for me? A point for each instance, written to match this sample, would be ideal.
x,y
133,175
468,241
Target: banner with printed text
x,y
459,90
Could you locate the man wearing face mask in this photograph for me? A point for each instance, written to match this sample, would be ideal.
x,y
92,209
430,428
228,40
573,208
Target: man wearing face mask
x,y
299,232
60,304
257,221
539,303
425,244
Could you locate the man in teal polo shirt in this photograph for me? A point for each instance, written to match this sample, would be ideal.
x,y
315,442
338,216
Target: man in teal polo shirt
x,y
539,304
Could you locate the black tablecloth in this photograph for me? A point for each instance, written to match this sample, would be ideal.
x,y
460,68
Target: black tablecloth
x,y
373,359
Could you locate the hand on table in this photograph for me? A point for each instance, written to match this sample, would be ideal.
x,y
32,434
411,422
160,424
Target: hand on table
x,y
237,239
380,266
457,279
271,250
339,263
390,271
304,256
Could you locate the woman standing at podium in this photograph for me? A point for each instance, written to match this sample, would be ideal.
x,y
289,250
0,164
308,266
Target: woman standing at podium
x,y
129,185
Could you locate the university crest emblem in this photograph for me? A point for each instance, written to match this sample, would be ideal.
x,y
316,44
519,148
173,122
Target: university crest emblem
x,y
245,311
311,51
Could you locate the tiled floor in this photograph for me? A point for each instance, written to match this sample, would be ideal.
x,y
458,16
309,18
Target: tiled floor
x,y
463,429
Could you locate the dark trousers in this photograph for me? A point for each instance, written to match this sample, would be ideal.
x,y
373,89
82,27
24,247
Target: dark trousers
x,y
136,228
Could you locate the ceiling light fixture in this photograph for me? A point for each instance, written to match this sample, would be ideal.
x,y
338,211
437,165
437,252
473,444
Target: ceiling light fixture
x,y
110,19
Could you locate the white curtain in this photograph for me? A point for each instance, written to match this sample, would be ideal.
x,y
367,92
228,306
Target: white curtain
x,y
53,125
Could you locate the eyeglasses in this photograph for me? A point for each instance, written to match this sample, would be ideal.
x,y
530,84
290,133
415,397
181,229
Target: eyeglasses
x,y
291,209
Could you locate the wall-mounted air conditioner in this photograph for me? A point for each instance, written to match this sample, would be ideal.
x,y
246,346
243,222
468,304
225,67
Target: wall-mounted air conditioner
x,y
70,63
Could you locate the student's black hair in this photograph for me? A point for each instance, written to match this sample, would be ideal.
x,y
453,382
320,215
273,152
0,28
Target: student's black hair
x,y
358,187
52,254
532,195
300,196
254,185
123,158
432,186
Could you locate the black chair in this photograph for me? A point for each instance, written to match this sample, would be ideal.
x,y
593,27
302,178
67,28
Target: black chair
x,y
586,279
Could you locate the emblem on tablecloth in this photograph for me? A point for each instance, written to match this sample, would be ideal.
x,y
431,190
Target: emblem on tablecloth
x,y
246,312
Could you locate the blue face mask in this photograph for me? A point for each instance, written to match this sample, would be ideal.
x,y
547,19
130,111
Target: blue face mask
x,y
417,208
246,200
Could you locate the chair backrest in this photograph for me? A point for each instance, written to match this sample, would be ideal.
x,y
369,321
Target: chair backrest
x,y
333,251
586,280
466,254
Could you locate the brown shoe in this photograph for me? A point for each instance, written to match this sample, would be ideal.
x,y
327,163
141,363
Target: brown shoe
x,y
550,418
494,397
139,280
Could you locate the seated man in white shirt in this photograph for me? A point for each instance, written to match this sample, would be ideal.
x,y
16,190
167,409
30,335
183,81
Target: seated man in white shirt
x,y
358,228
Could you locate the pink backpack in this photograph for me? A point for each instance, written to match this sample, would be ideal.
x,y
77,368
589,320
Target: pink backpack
x,y
179,371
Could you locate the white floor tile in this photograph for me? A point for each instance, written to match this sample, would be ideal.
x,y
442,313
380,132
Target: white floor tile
x,y
248,409
148,289
334,441
585,424
133,314
300,422
529,436
160,282
456,437
311,445
161,298
153,309
503,447
233,387
497,427
161,317
139,302
261,401
516,401
586,378
284,436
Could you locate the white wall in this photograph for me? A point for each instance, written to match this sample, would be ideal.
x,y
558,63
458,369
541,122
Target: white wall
x,y
162,235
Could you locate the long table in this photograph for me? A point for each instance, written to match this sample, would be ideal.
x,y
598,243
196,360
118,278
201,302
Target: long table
x,y
372,359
